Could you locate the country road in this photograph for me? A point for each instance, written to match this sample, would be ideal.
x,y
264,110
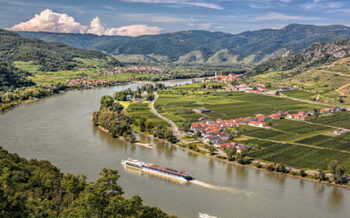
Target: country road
x,y
174,128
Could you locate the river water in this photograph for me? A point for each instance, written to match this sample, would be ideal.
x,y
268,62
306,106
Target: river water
x,y
59,129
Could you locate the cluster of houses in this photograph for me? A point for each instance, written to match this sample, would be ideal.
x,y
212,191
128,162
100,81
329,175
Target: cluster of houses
x,y
244,87
214,131
302,115
224,78
86,83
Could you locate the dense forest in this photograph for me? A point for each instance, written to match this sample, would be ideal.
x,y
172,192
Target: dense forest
x,y
50,56
11,78
112,117
32,188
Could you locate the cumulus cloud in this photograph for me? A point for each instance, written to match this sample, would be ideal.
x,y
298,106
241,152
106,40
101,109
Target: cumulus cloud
x,y
49,21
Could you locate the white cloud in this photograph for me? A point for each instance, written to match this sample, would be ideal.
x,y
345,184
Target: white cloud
x,y
319,4
180,2
279,16
96,27
138,30
153,18
49,21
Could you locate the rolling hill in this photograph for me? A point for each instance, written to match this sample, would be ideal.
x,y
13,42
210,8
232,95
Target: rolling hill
x,y
47,56
203,47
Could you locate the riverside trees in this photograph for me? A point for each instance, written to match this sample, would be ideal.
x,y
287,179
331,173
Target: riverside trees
x,y
337,170
32,188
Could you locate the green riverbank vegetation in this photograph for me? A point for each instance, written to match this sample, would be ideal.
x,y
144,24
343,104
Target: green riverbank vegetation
x,y
32,188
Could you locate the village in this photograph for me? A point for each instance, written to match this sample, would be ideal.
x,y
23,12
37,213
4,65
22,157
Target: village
x,y
85,82
244,87
214,132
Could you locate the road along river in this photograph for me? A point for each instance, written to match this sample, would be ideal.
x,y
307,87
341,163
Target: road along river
x,y
59,129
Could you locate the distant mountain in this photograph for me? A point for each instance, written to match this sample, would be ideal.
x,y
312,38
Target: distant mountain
x,y
49,56
318,53
203,47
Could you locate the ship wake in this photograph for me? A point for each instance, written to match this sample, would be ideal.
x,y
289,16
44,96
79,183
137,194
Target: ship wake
x,y
220,188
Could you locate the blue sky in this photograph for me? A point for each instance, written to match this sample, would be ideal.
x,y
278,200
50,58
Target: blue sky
x,y
161,16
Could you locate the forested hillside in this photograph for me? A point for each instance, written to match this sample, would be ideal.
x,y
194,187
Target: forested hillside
x,y
11,77
32,188
50,56
203,47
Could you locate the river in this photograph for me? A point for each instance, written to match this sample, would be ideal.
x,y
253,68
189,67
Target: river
x,y
59,129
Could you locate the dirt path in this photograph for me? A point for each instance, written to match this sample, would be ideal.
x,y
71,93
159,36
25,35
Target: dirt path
x,y
174,128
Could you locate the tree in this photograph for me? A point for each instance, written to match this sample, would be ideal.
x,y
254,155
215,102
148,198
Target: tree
x,y
321,175
332,166
230,152
142,124
149,125
106,101
116,107
211,149
150,97
281,168
339,172
240,158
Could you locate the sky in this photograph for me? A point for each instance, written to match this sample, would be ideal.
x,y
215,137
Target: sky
x,y
151,17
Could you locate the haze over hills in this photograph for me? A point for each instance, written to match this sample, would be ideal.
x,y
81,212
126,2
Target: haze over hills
x,y
203,47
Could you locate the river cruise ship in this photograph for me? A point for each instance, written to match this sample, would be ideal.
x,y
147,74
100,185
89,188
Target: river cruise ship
x,y
157,170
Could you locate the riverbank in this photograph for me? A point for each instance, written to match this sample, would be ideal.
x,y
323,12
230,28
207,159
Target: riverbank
x,y
250,165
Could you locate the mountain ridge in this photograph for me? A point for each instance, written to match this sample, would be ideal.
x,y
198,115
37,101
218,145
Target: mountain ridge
x,y
294,37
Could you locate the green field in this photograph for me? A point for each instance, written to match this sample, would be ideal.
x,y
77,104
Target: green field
x,y
300,94
341,142
341,119
142,110
94,68
177,104
301,157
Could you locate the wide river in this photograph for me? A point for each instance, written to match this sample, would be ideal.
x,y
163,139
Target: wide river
x,y
59,129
